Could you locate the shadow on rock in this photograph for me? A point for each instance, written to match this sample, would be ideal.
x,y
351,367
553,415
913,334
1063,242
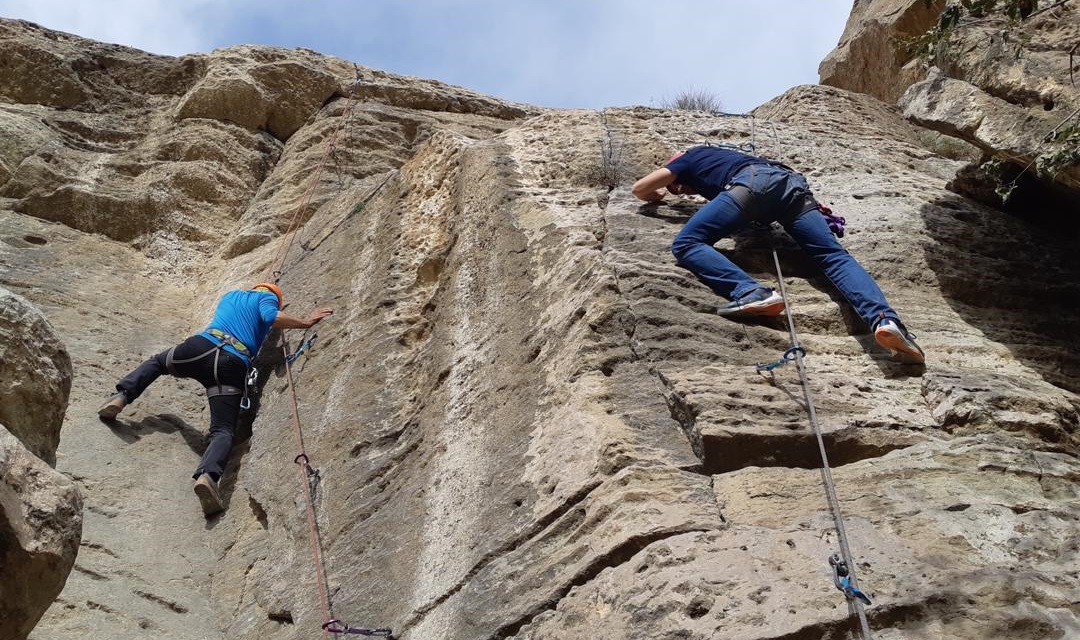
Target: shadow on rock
x,y
130,430
1016,281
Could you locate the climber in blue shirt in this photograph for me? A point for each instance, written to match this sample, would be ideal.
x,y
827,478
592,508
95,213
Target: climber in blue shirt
x,y
741,189
219,358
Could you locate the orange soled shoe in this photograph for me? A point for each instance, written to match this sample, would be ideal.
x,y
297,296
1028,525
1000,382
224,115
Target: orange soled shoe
x,y
893,336
759,302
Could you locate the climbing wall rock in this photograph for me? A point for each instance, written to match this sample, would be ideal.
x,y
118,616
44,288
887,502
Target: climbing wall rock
x,y
527,421
40,509
35,376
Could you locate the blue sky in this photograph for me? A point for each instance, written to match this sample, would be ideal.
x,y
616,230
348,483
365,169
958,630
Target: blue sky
x,y
558,53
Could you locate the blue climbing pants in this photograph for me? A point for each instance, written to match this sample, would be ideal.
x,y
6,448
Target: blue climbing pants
x,y
778,195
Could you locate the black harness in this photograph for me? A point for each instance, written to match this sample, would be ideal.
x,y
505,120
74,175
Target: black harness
x,y
219,389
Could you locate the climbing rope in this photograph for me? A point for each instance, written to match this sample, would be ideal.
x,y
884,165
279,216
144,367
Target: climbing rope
x,y
843,566
276,268
309,476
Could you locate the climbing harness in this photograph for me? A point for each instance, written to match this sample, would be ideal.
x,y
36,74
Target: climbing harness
x,y
304,346
218,389
856,599
227,339
337,626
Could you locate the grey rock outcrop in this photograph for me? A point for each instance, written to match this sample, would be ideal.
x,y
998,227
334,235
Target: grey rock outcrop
x,y
40,528
35,376
528,422
1006,88
40,509
869,59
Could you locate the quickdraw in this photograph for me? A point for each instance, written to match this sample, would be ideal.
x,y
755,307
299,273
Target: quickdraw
x,y
334,625
842,580
304,346
790,355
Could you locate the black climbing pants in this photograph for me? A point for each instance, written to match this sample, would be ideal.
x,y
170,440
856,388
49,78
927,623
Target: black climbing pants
x,y
224,409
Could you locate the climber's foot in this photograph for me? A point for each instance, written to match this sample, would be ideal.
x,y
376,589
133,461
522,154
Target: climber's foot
x,y
893,336
759,302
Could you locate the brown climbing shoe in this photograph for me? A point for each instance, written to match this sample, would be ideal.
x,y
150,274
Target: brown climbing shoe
x,y
207,490
113,406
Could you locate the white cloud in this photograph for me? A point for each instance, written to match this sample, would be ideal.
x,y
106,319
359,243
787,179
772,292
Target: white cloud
x,y
563,53
158,26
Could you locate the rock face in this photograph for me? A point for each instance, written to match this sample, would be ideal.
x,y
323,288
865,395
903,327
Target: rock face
x,y
40,525
35,376
1008,89
40,509
527,421
868,58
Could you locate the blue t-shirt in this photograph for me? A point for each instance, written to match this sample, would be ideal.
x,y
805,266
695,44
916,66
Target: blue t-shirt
x,y
246,316
707,170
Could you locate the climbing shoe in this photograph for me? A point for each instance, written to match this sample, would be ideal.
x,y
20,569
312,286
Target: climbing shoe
x,y
893,336
206,488
759,302
113,406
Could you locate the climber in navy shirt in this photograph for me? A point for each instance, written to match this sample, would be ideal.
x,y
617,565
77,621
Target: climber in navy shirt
x,y
219,358
741,189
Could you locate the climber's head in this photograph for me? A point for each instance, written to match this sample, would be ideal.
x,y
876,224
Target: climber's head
x,y
272,288
677,188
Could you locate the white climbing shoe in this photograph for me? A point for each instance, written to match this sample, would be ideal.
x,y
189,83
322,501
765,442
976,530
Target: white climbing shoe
x,y
894,337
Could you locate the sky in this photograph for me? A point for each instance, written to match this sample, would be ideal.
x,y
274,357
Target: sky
x,y
554,53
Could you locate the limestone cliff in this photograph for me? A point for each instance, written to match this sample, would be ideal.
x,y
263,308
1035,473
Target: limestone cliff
x,y
1005,86
527,421
40,509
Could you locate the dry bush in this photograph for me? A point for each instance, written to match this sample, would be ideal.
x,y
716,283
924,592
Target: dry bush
x,y
694,100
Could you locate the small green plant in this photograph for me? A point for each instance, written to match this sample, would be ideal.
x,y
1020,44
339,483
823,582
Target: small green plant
x,y
995,168
694,100
935,42
1049,165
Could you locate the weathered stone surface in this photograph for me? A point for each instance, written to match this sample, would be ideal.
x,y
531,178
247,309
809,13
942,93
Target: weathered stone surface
x,y
60,70
970,399
35,376
524,414
960,109
1001,86
868,58
40,528
259,88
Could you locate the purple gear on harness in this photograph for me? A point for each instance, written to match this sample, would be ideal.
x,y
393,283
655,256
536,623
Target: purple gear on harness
x,y
835,222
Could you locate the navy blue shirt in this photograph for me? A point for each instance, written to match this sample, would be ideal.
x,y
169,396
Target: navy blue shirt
x,y
707,170
246,316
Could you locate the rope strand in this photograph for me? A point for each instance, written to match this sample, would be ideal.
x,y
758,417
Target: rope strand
x,y
277,266
826,470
